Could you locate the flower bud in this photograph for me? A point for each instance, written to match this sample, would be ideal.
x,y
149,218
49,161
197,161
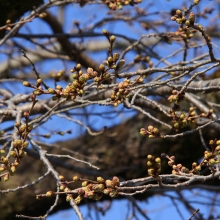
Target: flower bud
x,y
2,151
62,187
149,157
6,177
194,164
151,172
112,39
179,13
115,179
191,18
78,199
98,187
13,169
149,163
84,183
150,128
69,197
212,162
75,178
120,64
143,131
2,168
105,32
61,178
39,81
158,160
51,91
113,193
102,68
116,57
110,59
13,153
109,184
78,67
100,179
26,84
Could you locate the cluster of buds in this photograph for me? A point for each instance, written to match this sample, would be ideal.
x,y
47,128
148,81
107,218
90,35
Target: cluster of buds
x,y
185,33
211,159
103,76
177,169
118,4
95,190
76,87
113,62
182,120
18,152
151,132
120,92
19,145
154,166
147,59
179,121
38,89
71,90
181,19
176,96
90,189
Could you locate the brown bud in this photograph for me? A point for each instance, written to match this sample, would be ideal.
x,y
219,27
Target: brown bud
x,y
120,64
116,57
191,18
